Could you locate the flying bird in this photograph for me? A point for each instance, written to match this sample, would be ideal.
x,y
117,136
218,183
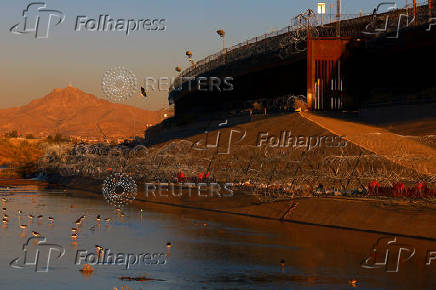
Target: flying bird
x,y
143,92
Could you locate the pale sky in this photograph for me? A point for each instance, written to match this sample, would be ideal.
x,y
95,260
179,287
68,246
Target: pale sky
x,y
30,68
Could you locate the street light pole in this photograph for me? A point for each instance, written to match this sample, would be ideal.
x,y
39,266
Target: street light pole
x,y
189,55
331,14
222,34
338,18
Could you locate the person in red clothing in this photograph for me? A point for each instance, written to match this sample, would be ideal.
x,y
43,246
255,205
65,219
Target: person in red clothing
x,y
373,187
420,186
180,177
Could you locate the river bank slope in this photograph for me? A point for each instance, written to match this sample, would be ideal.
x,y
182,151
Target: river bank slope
x,y
389,217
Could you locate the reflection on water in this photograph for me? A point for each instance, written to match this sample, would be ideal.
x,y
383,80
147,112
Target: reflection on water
x,y
200,250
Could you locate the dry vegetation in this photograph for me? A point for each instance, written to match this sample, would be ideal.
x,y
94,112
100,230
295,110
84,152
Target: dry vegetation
x,y
20,155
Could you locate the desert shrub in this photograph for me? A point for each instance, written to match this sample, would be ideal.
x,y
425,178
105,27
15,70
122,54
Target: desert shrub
x,y
12,134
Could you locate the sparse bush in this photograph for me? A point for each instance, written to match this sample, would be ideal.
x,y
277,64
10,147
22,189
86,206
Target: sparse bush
x,y
12,134
20,156
56,139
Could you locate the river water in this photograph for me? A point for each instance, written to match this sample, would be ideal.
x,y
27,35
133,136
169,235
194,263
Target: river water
x,y
208,250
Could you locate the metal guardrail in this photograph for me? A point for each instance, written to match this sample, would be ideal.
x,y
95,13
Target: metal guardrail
x,y
292,35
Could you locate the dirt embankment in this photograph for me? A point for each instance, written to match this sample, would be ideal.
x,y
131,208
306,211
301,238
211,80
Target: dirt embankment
x,y
404,150
343,168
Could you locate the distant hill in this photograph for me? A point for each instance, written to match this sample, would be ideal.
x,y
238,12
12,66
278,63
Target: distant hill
x,y
72,112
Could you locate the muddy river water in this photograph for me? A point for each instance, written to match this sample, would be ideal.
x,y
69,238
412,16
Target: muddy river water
x,y
175,248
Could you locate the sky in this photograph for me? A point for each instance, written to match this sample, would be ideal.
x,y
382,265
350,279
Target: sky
x,y
30,68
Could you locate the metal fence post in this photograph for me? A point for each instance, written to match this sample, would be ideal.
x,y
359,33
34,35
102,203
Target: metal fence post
x,y
414,13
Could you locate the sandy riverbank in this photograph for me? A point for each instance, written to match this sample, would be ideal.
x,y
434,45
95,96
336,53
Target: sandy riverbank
x,y
388,217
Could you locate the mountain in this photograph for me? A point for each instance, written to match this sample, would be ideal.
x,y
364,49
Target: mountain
x,y
72,112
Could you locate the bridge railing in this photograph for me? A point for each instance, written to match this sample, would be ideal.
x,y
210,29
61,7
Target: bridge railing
x,y
351,24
